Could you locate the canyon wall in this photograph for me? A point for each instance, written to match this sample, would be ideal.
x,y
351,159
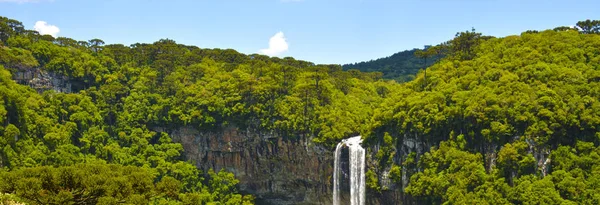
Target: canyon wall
x,y
280,170
274,169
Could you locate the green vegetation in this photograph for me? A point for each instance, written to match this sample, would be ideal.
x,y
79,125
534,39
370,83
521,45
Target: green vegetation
x,y
511,98
537,93
99,183
121,94
540,86
9,199
401,66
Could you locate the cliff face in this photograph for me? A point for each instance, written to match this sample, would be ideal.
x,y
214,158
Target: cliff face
x,y
295,171
275,170
41,80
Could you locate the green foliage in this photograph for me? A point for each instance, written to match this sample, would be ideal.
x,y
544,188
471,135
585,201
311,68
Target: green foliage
x,y
372,181
463,45
107,184
386,150
168,84
396,174
454,176
589,26
514,161
448,174
540,88
94,146
17,58
10,199
531,190
401,66
121,93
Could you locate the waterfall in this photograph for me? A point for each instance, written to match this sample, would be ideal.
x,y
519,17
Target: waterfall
x,y
357,171
336,173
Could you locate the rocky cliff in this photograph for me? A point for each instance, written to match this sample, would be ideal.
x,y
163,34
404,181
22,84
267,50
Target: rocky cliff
x,y
274,169
42,80
279,170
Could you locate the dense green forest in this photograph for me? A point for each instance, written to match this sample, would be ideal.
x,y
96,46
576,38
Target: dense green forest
x,y
120,93
401,66
536,91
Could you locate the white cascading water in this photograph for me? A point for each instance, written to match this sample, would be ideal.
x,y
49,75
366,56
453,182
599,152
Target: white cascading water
x,y
336,173
357,171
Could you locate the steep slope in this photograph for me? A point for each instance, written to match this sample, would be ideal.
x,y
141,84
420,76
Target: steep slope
x,y
167,107
498,120
401,66
511,114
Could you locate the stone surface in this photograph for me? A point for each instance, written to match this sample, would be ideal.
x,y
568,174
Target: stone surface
x,y
41,80
285,171
275,170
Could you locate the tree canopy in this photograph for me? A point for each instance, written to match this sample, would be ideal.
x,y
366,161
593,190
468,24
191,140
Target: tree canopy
x,y
122,94
490,110
107,141
401,66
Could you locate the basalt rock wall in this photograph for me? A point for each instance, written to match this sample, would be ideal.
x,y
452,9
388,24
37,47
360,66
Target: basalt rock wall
x,y
274,169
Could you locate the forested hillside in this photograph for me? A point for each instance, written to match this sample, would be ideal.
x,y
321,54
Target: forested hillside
x,y
518,119
119,94
82,147
401,66
497,120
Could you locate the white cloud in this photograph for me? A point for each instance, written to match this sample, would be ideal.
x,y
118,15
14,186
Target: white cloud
x,y
44,28
277,45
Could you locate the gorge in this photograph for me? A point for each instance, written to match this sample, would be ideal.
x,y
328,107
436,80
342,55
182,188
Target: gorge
x,y
495,120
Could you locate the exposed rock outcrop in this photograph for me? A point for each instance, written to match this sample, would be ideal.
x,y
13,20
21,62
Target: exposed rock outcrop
x,y
274,169
279,170
41,80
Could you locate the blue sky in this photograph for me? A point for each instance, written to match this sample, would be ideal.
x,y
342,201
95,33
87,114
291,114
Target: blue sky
x,y
321,31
